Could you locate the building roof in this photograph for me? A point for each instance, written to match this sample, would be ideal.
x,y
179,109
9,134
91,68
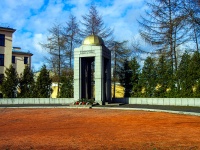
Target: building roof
x,y
19,52
8,29
93,40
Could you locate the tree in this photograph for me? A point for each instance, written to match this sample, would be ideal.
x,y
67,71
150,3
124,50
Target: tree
x,y
148,77
194,73
165,27
27,83
10,83
72,36
184,77
93,25
125,76
56,49
165,77
43,84
135,77
192,10
67,87
120,53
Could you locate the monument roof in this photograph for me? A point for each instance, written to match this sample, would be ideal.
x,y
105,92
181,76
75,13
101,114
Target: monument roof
x,y
93,40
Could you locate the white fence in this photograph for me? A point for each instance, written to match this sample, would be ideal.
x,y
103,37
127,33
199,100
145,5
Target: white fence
x,y
160,101
9,101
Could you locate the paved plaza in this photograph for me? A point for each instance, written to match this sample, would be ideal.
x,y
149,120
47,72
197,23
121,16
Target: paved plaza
x,y
96,129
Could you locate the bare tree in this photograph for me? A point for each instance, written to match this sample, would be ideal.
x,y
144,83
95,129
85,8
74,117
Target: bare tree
x,y
165,27
72,35
120,53
93,25
192,7
56,48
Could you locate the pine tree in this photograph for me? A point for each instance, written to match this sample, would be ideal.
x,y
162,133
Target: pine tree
x,y
194,72
135,68
10,83
43,84
27,83
184,77
125,76
165,78
148,77
67,87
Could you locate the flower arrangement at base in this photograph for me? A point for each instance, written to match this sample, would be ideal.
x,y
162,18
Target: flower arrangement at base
x,y
84,102
76,103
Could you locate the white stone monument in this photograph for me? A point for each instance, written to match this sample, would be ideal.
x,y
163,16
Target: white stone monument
x,y
92,71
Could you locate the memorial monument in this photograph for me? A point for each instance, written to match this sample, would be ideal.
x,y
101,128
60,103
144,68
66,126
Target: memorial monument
x,y
92,70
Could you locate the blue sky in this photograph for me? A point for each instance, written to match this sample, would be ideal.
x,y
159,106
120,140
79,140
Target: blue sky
x,y
33,18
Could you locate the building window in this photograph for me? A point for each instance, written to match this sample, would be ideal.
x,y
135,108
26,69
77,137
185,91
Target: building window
x,y
1,59
2,40
13,59
25,60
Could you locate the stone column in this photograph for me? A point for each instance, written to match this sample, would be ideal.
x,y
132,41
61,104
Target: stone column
x,y
98,76
109,97
77,78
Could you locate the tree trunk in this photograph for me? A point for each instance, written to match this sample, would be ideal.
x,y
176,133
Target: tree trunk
x,y
70,59
59,61
196,39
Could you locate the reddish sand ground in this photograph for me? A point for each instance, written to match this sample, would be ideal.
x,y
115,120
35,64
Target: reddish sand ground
x,y
97,129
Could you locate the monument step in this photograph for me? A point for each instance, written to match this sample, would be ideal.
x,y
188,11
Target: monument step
x,y
113,104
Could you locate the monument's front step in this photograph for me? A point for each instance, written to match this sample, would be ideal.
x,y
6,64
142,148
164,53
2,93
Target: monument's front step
x,y
80,106
113,104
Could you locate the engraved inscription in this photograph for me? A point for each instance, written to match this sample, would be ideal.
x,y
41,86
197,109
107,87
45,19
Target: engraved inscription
x,y
87,52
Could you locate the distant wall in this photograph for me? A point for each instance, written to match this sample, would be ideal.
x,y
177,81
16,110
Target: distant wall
x,y
143,101
160,101
36,101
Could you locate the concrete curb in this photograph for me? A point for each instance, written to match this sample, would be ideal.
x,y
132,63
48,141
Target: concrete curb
x,y
111,108
41,107
153,110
